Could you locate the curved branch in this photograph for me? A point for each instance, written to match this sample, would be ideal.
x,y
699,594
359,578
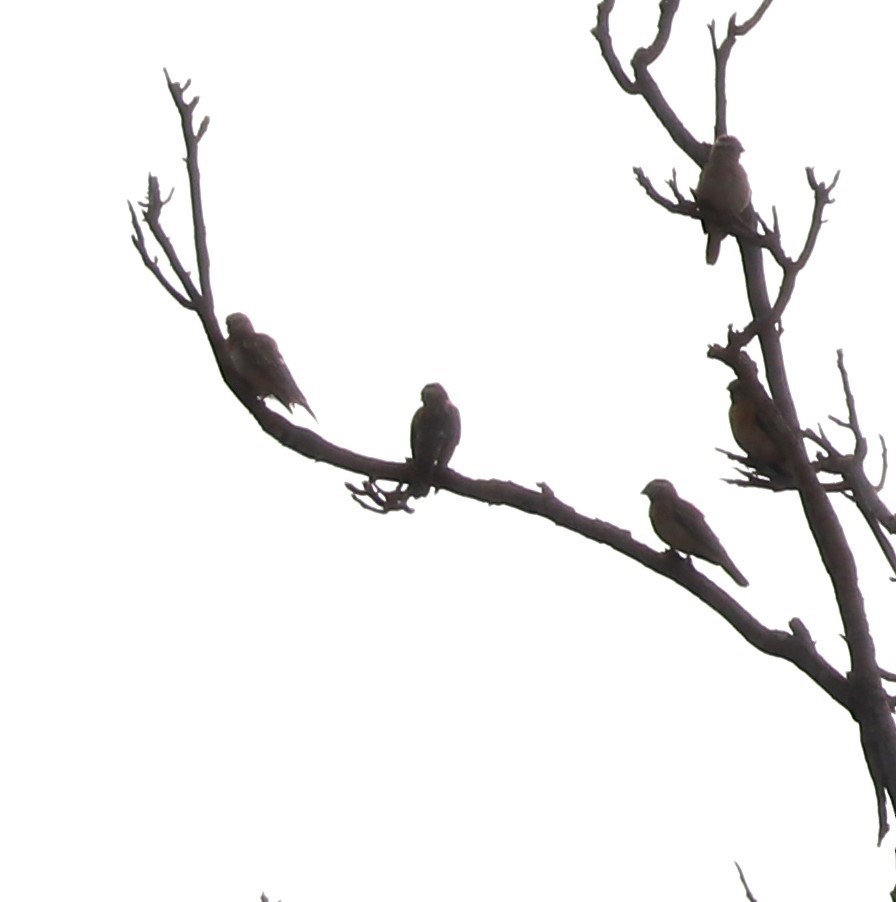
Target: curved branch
x,y
545,504
643,83
601,32
646,55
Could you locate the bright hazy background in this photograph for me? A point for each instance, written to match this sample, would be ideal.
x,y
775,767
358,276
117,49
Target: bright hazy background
x,y
221,676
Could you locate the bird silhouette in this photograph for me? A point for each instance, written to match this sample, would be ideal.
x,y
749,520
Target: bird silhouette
x,y
257,359
435,432
682,527
722,193
751,431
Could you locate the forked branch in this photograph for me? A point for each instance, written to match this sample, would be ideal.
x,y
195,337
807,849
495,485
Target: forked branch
x,y
722,53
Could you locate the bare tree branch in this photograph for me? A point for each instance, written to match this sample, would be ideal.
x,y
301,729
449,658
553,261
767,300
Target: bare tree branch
x,y
649,54
722,53
152,263
851,466
152,215
643,83
192,138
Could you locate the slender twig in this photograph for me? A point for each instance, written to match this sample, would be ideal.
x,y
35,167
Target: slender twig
x,y
192,137
858,487
152,215
823,199
879,486
680,205
743,880
383,501
791,268
722,54
152,263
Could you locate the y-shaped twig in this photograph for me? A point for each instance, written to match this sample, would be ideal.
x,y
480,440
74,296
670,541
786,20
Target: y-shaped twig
x,y
722,53
151,262
791,268
152,215
643,82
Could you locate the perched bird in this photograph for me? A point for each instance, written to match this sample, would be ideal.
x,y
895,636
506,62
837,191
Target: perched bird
x,y
752,432
723,192
257,359
681,526
435,432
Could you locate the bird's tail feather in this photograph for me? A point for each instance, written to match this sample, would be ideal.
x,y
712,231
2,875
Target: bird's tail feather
x,y
421,482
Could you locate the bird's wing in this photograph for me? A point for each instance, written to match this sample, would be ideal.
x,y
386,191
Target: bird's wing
x,y
450,433
419,434
425,438
705,542
268,357
271,362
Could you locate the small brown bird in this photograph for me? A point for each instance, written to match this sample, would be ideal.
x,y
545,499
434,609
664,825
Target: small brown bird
x,y
682,527
257,359
435,432
752,432
723,192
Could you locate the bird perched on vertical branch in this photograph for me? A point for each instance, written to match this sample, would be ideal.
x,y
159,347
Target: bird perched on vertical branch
x,y
682,527
257,359
723,192
752,432
435,432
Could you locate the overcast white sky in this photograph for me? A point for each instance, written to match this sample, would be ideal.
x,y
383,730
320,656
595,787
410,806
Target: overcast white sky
x,y
220,675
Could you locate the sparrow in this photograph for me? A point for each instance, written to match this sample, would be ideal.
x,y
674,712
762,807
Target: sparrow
x,y
257,359
752,433
435,432
682,527
723,192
